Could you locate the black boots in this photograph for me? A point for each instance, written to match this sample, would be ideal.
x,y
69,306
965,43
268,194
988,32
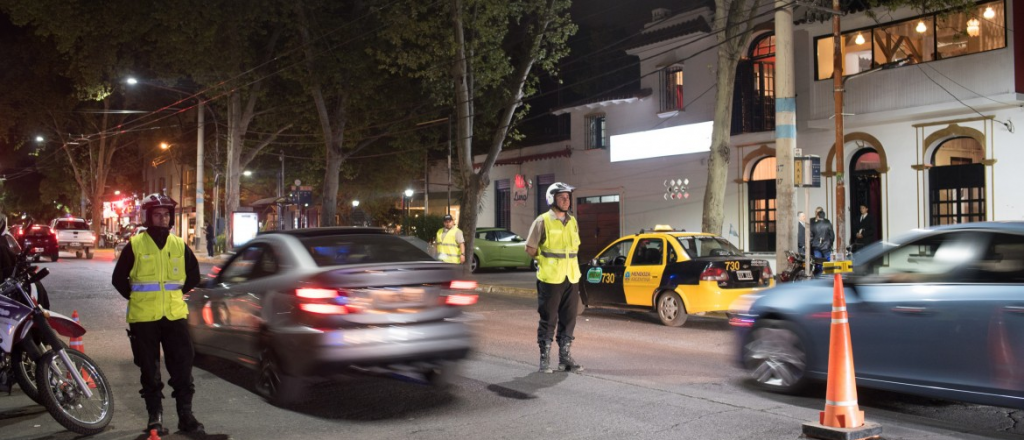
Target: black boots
x,y
565,360
186,420
156,417
545,356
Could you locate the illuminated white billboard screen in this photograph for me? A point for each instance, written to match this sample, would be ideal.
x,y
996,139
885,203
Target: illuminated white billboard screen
x,y
683,139
245,226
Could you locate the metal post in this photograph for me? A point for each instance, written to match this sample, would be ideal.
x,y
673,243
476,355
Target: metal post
x,y
837,81
426,184
449,165
200,242
280,193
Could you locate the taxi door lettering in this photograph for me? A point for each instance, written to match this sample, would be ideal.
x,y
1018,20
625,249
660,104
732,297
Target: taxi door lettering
x,y
608,278
732,265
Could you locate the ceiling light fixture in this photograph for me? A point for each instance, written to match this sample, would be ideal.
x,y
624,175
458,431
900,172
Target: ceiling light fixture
x,y
921,28
973,27
989,13
859,40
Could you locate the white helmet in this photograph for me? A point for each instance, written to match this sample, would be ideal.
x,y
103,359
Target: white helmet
x,y
555,188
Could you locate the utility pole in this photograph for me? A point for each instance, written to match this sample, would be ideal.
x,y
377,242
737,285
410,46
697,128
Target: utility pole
x,y
837,81
280,193
200,191
785,129
449,164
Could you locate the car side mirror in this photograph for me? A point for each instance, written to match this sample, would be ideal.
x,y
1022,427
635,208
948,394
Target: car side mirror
x,y
518,239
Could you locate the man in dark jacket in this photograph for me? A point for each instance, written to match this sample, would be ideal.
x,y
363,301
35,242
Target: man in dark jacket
x,y
864,229
822,239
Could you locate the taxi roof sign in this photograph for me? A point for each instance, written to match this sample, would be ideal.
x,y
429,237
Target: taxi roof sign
x,y
833,267
661,228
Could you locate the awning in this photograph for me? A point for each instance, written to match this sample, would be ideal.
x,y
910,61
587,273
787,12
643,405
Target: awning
x,y
269,201
567,152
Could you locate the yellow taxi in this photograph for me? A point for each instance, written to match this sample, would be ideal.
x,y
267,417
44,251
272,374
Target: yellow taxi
x,y
673,273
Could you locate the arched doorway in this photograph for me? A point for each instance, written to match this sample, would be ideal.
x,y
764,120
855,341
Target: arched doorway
x,y
866,190
956,182
761,205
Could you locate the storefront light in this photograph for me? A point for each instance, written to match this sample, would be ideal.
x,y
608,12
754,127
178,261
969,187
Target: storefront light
x,y
973,27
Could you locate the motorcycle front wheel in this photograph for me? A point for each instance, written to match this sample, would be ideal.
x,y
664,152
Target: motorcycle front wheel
x,y
25,368
66,402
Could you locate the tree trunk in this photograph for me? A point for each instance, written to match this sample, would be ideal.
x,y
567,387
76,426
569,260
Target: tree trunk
x,y
718,159
733,22
470,200
330,190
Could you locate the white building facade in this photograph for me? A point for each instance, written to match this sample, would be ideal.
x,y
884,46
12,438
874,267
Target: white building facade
x,y
931,142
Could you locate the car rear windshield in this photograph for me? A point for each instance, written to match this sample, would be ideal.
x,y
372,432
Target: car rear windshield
x,y
340,250
39,230
71,224
697,247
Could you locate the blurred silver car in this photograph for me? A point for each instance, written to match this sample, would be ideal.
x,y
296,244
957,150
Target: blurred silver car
x,y
936,312
317,303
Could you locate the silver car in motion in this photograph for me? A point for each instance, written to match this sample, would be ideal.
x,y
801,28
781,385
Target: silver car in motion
x,y
937,312
318,303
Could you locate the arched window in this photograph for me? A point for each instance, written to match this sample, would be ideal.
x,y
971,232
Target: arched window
x,y
956,182
865,190
754,96
761,206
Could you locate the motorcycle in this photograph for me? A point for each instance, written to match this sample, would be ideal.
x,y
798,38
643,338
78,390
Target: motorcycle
x,y
796,271
67,383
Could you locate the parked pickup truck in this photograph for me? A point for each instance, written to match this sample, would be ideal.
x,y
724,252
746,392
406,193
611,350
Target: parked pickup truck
x,y
74,235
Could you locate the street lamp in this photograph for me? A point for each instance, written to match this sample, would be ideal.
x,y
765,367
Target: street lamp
x,y
406,201
247,173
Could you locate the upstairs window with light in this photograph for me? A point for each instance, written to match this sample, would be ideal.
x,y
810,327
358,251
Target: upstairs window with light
x,y
672,88
597,133
921,39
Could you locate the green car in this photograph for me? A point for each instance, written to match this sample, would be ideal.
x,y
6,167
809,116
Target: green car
x,y
498,247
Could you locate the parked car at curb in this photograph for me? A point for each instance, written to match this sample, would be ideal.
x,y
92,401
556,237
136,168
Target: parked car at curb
x,y
672,273
499,247
936,312
307,304
74,235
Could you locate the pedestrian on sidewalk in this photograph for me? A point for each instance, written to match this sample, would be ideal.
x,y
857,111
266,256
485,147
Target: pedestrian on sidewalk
x,y
154,284
451,243
554,240
210,239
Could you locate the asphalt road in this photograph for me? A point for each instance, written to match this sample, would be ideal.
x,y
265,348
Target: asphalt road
x,y
642,381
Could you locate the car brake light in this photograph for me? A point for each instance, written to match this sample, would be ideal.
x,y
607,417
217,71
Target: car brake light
x,y
714,274
325,309
323,301
463,285
314,293
460,300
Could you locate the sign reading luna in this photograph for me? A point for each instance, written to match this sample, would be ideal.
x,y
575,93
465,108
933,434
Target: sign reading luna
x,y
520,191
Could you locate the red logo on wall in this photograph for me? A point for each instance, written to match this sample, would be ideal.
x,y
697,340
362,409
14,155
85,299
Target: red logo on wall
x,y
520,181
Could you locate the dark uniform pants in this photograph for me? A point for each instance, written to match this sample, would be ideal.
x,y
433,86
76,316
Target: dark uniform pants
x,y
146,339
558,305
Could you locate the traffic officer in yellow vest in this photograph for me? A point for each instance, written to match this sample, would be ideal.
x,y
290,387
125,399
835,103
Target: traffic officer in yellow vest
x,y
155,269
451,244
554,240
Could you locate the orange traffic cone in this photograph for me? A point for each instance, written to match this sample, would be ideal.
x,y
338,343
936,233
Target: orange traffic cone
x,y
76,343
153,435
842,417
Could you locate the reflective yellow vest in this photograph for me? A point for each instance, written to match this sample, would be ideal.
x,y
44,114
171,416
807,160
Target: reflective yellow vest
x,y
157,278
557,254
447,248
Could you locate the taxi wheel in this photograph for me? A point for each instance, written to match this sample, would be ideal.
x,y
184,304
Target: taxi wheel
x,y
775,357
671,310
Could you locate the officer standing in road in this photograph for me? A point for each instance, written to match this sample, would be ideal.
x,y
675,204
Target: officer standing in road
x,y
451,244
554,241
155,269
